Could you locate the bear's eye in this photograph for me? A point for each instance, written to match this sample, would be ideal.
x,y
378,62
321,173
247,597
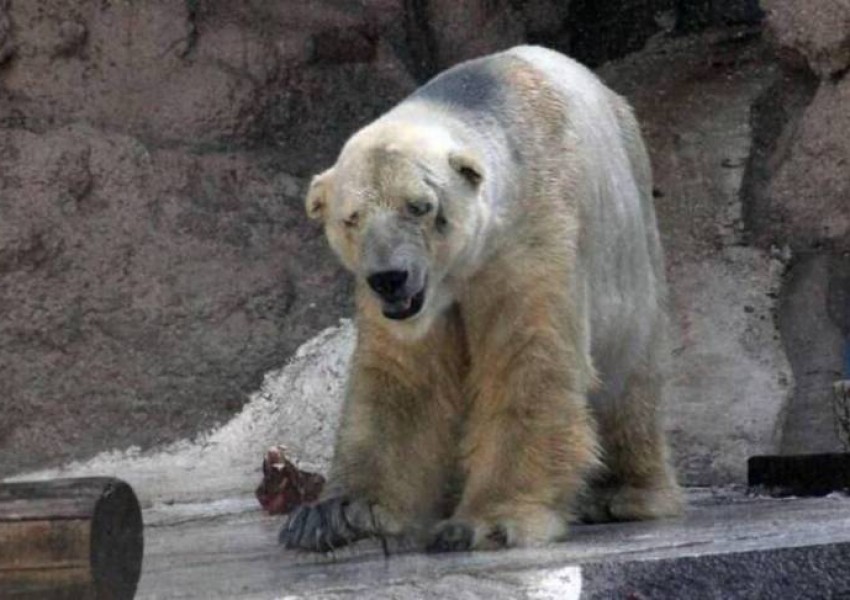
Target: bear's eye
x,y
419,208
352,220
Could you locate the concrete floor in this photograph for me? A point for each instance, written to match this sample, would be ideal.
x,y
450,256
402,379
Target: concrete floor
x,y
728,545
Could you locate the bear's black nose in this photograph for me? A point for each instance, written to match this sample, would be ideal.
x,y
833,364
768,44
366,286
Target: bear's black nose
x,y
388,284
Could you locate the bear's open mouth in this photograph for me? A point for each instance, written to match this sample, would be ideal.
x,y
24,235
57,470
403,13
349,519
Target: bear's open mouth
x,y
404,309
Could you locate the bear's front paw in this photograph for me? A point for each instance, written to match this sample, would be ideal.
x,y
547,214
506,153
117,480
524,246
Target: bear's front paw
x,y
322,527
451,536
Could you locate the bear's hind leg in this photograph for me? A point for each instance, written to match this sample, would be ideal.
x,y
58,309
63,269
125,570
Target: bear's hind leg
x,y
638,481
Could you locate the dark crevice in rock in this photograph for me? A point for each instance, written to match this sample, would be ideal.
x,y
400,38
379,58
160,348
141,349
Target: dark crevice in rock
x,y
545,22
338,45
7,44
306,127
695,15
422,45
838,294
601,31
29,254
595,32
774,120
192,28
837,76
814,323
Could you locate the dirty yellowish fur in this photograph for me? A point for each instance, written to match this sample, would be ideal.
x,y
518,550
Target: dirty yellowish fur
x,y
509,366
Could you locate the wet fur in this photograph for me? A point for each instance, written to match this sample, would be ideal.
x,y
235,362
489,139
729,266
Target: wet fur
x,y
528,392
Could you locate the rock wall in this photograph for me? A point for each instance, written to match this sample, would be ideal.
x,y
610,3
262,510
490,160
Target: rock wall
x,y
803,201
799,199
154,261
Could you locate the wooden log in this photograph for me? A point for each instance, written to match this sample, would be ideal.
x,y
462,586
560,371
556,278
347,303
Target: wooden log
x,y
70,538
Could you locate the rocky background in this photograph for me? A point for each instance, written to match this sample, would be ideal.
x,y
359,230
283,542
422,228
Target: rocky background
x,y
155,263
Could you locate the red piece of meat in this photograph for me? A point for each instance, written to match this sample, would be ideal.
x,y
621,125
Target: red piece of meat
x,y
285,486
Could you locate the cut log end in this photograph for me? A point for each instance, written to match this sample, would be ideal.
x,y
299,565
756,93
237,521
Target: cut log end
x,y
78,538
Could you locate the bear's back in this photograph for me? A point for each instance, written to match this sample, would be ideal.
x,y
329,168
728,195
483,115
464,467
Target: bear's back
x,y
501,97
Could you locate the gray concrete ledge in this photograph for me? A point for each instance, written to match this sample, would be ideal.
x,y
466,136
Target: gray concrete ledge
x,y
727,546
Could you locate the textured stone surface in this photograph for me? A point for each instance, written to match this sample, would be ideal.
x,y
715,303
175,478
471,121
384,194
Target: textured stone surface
x,y
297,407
801,182
463,30
731,380
218,223
207,73
154,261
144,289
7,46
737,548
796,203
600,31
809,193
775,119
695,14
817,33
815,347
154,257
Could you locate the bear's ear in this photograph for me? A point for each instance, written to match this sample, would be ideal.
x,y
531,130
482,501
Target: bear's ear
x,y
317,196
468,166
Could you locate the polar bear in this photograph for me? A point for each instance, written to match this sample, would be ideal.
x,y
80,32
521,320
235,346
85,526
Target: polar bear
x,y
510,300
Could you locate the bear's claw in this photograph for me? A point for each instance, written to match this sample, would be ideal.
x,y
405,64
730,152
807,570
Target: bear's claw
x,y
451,536
320,527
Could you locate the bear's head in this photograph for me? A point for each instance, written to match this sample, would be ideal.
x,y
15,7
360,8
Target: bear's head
x,y
403,210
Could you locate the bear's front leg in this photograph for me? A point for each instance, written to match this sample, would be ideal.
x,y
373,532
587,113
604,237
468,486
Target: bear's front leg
x,y
391,457
529,442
